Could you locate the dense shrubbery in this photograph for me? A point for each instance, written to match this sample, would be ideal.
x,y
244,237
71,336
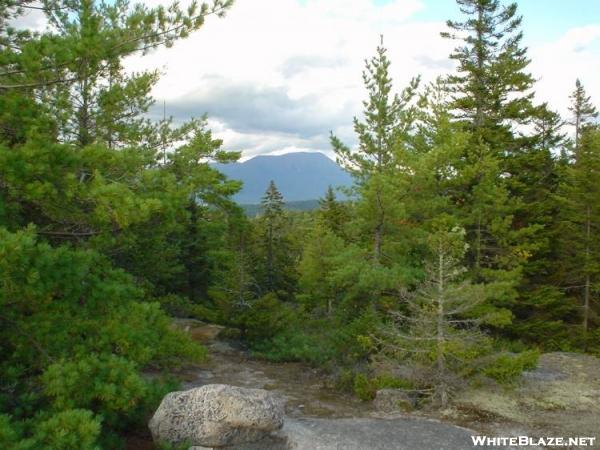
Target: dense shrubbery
x,y
75,334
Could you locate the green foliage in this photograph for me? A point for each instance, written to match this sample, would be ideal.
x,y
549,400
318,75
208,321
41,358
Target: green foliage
x,y
67,430
507,368
275,256
264,318
75,429
583,110
94,362
295,344
439,329
578,249
366,388
363,388
326,342
110,385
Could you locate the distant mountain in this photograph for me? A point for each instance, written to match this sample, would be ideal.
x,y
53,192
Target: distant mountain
x,y
298,176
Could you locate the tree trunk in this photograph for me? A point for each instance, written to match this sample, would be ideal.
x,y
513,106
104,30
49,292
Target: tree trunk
x,y
478,244
270,257
83,125
378,229
441,367
586,296
577,131
480,56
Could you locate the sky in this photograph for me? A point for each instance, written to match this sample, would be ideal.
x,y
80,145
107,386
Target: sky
x,y
278,75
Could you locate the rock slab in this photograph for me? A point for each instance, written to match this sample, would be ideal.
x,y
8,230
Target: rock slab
x,y
365,434
217,415
392,400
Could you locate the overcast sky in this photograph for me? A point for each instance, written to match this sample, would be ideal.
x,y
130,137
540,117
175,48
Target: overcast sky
x,y
278,75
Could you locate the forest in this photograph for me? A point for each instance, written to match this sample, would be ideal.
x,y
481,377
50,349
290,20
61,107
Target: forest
x,y
467,248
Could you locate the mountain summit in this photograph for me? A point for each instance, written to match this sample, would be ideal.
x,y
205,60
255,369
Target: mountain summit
x,y
298,176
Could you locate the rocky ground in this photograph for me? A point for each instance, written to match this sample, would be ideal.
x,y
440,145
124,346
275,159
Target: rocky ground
x,y
560,398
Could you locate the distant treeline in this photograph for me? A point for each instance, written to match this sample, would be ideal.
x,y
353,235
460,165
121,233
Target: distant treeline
x,y
302,205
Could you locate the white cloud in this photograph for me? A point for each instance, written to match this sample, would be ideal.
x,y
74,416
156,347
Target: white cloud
x,y
559,63
278,75
305,58
32,18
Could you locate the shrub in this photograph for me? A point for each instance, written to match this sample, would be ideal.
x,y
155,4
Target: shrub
x,y
265,317
106,383
297,345
507,368
366,388
75,429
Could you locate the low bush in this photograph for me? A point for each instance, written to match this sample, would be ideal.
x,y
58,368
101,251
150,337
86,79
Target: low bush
x,y
507,368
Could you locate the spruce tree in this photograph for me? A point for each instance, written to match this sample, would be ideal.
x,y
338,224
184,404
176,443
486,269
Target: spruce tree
x,y
579,198
584,112
333,213
318,289
440,329
277,274
492,98
492,88
542,309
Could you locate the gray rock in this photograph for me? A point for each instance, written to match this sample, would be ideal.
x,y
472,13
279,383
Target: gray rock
x,y
276,441
375,434
365,434
390,400
217,415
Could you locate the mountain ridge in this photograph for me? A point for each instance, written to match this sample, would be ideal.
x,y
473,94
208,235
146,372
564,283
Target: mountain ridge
x,y
299,176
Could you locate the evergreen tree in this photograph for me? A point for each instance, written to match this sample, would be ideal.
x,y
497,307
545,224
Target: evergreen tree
x,y
460,177
318,288
333,213
541,307
584,112
492,89
549,129
83,191
441,328
492,94
579,198
277,274
388,119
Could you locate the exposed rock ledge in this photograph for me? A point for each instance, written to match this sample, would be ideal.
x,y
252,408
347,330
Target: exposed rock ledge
x,y
232,418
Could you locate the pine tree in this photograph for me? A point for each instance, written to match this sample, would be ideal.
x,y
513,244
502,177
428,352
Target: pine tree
x,y
81,167
388,120
104,162
584,112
